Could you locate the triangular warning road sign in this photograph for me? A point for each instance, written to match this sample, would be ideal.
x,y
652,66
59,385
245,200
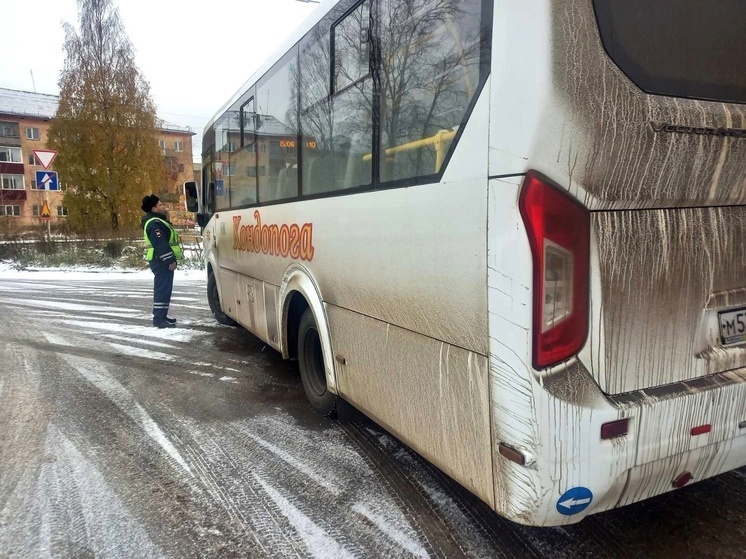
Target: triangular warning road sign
x,y
45,157
45,213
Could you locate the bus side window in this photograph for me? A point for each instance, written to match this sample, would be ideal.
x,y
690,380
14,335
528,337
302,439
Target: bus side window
x,y
226,135
425,95
243,159
340,125
277,130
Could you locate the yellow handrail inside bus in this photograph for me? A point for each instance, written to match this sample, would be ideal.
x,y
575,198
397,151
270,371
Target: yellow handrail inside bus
x,y
438,140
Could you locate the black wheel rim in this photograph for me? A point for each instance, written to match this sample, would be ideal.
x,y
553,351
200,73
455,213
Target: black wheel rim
x,y
314,362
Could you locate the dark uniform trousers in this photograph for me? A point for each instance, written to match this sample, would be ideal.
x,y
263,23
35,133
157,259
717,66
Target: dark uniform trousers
x,y
163,284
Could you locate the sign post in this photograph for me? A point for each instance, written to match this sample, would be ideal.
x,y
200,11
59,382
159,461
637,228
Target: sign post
x,y
46,181
46,215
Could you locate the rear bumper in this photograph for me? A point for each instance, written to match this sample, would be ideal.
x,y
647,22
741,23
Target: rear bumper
x,y
656,478
570,460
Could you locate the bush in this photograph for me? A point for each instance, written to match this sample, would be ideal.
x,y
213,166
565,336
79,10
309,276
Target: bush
x,y
114,248
132,257
115,253
45,247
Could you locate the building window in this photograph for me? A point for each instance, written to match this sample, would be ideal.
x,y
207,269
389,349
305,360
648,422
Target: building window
x,y
36,210
10,155
229,169
61,211
9,130
12,182
10,211
162,145
33,161
32,133
178,146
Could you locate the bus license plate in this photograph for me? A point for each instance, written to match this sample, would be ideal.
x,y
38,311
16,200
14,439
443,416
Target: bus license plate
x,y
732,326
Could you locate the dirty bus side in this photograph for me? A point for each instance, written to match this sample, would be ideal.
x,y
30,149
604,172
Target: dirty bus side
x,y
508,233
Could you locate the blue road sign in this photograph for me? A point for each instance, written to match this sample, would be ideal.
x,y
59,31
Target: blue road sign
x,y
219,188
47,180
574,500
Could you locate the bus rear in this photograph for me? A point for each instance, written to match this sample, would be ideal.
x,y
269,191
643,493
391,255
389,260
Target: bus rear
x,y
617,219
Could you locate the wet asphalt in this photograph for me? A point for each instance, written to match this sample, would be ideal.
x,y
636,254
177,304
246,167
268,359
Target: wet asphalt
x,y
121,440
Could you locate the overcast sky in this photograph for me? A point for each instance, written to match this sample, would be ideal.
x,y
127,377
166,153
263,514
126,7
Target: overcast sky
x,y
194,54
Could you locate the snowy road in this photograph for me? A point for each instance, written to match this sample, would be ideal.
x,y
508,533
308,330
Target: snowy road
x,y
121,440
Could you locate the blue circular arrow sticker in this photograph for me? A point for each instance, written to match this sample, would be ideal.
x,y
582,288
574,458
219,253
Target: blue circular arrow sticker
x,y
574,500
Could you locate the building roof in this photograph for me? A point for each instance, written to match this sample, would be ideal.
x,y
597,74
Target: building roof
x,y
25,103
269,125
42,105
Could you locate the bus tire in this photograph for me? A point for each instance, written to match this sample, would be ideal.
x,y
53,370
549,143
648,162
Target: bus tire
x,y
213,299
311,364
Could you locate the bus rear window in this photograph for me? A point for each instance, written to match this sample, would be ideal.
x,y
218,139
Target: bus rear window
x,y
682,48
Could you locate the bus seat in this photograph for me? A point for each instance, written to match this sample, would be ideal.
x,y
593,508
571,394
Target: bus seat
x,y
355,167
287,184
280,182
314,177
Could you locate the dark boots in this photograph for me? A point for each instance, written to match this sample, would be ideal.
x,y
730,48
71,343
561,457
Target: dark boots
x,y
164,322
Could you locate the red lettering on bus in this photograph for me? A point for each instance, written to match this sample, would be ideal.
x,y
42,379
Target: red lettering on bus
x,y
275,240
294,241
306,246
284,240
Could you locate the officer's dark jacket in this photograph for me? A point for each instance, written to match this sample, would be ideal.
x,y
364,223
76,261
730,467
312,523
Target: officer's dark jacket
x,y
158,233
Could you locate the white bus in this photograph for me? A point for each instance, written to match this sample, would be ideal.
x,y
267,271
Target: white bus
x,y
511,232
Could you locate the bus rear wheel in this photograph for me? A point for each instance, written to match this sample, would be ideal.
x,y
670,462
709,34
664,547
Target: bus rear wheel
x,y
213,299
312,370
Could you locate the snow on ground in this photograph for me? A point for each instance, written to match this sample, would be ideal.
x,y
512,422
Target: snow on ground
x,y
8,271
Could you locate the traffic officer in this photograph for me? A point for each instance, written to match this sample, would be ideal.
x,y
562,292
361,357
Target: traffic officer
x,y
164,250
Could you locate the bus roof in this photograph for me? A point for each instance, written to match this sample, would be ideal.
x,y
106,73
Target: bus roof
x,y
314,17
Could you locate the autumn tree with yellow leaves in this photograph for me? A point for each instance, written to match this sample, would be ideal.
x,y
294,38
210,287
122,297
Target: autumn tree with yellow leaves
x,y
104,129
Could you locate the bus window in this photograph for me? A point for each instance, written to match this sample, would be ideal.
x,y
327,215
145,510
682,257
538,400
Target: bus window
x,y
227,136
276,130
425,95
338,156
683,48
243,161
351,56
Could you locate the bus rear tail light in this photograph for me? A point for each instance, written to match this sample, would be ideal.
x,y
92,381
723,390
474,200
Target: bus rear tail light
x,y
558,228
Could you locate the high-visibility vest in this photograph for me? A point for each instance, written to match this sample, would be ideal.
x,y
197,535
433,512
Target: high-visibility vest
x,y
173,240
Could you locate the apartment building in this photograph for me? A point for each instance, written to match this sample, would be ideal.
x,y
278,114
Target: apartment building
x,y
25,119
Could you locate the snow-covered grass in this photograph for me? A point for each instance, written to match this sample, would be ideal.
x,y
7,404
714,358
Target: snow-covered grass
x,y
95,273
114,253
